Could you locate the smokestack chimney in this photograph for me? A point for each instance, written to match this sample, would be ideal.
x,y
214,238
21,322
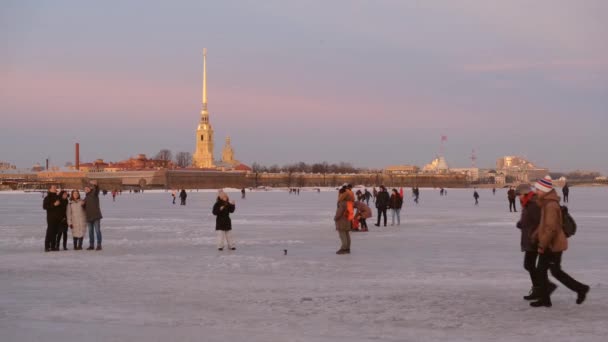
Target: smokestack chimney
x,y
47,164
77,164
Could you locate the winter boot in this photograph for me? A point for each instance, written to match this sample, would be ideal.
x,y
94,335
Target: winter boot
x,y
542,302
98,248
90,248
582,295
534,294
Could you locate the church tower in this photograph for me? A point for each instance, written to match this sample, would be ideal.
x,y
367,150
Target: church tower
x,y
203,155
228,153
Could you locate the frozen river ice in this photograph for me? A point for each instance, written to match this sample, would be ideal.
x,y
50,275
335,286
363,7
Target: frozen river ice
x,y
450,272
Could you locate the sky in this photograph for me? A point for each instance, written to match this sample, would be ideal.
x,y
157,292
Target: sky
x,y
373,83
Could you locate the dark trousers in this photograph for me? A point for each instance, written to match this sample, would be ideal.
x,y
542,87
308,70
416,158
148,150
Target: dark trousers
x,y
512,206
62,231
78,243
566,198
381,211
553,262
50,240
363,223
183,201
530,266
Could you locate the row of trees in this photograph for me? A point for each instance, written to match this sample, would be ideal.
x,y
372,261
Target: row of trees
x,y
576,175
182,159
323,167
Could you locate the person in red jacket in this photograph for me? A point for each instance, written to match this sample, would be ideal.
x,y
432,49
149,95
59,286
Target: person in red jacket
x,y
395,203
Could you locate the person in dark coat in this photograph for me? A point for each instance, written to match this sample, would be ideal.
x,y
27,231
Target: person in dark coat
x,y
476,197
182,197
511,196
566,192
63,226
416,193
52,205
382,203
223,225
528,223
367,195
93,211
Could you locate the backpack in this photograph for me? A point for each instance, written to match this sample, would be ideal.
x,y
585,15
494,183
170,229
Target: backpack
x,y
568,223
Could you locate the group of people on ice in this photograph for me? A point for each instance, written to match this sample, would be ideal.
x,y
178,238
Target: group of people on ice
x,y
347,219
182,196
65,211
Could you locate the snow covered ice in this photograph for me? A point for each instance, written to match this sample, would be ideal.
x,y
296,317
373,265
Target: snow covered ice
x,y
450,272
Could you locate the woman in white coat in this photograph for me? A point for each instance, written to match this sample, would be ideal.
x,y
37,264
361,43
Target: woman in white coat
x,y
77,219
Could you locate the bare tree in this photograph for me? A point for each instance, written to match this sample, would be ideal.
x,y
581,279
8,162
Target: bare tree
x,y
164,154
183,159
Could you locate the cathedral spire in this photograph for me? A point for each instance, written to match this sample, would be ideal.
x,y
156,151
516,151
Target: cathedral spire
x,y
203,155
205,79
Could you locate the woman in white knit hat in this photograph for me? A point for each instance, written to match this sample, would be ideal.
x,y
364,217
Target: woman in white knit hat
x,y
223,225
552,243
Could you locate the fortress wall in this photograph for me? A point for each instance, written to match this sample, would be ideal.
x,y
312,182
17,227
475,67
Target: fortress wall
x,y
193,179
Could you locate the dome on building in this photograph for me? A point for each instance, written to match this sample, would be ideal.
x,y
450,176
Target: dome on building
x,y
442,165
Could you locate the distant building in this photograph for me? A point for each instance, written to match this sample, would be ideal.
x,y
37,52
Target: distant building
x,y
472,173
438,165
37,168
140,162
7,166
228,154
402,169
203,153
520,169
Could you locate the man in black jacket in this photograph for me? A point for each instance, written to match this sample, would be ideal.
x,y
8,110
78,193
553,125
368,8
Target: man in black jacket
x,y
93,212
382,201
528,223
511,196
52,205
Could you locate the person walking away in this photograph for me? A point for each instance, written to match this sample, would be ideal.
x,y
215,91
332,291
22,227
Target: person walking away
x,y
51,203
552,243
182,197
114,195
375,194
173,195
93,212
343,218
493,191
566,192
363,213
416,194
243,193
511,196
63,227
367,195
476,196
223,224
395,204
527,224
77,219
382,203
